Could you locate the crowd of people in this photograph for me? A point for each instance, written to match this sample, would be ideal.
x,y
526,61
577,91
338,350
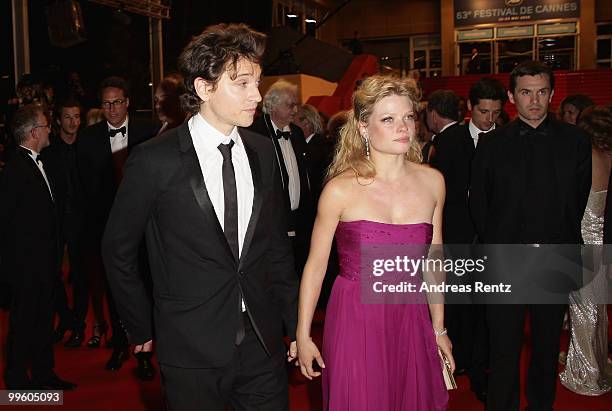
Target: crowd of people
x,y
215,230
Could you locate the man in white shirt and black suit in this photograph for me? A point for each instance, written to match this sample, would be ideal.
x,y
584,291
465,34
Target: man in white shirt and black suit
x,y
206,196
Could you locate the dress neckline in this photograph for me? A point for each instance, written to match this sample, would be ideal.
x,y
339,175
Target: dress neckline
x,y
382,223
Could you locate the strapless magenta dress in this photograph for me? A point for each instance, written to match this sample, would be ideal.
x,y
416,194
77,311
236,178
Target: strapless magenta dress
x,y
378,357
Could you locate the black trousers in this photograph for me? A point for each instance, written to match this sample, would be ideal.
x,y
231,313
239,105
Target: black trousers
x,y
506,325
30,335
251,381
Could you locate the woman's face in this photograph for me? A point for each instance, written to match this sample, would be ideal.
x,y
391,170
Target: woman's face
x,y
391,126
569,114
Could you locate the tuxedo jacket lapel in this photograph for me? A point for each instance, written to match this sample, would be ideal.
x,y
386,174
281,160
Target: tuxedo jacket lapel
x,y
193,171
38,174
257,196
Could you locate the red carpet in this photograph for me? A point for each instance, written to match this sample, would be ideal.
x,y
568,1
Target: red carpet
x,y
101,390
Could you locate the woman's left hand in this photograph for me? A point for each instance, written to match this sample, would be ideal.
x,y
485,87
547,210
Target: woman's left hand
x,y
447,348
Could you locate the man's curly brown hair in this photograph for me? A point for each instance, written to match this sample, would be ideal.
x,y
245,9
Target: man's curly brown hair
x,y
217,49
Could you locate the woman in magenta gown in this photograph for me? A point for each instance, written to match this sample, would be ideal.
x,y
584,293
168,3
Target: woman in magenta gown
x,y
378,357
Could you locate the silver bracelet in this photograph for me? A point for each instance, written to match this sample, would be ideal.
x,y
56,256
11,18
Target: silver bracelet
x,y
440,333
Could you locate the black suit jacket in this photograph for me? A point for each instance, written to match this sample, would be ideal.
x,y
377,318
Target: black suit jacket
x,y
454,148
196,280
29,242
304,212
97,171
498,184
320,156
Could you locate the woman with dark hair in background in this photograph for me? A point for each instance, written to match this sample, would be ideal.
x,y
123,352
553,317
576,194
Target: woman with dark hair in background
x,y
572,106
586,371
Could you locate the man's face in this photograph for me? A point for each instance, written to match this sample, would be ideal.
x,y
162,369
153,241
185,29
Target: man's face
x,y
167,104
70,120
284,113
40,132
234,101
532,96
485,113
114,105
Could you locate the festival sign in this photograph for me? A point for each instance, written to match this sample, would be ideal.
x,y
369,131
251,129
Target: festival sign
x,y
472,12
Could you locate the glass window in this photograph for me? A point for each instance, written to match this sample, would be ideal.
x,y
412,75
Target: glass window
x,y
558,52
420,59
604,50
604,29
481,63
435,58
513,52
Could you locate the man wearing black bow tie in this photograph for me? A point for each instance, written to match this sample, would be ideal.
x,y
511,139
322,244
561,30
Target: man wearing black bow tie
x,y
280,105
30,255
102,152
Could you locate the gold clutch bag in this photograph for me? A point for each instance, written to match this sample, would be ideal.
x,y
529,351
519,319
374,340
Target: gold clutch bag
x,y
449,379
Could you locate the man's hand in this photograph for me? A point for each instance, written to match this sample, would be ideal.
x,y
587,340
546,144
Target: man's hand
x,y
146,347
292,353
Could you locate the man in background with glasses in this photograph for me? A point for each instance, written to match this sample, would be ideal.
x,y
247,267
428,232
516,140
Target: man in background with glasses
x,y
101,154
30,256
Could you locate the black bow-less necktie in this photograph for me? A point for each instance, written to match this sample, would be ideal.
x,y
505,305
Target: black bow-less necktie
x,y
230,198
283,134
114,131
230,218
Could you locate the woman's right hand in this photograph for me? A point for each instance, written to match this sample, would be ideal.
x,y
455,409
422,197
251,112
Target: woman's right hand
x,y
307,353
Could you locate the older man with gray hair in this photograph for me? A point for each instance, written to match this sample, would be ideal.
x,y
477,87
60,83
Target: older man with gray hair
x,y
30,256
280,105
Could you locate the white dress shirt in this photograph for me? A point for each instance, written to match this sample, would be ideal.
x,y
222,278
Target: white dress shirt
x,y
475,131
206,139
309,138
34,155
120,141
291,166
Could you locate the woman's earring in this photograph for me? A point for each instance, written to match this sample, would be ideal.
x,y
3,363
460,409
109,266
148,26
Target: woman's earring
x,y
367,146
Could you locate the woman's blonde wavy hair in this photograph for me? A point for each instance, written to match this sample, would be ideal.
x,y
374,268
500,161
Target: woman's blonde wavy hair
x,y
351,150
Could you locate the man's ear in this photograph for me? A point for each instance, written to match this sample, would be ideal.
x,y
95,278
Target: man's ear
x,y
127,102
552,93
469,105
511,97
202,88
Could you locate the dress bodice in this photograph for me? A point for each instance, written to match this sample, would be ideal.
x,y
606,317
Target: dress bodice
x,y
352,236
593,219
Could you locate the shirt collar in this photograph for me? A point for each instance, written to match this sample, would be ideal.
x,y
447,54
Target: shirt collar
x,y
447,126
475,131
125,124
541,128
309,138
32,152
286,128
210,137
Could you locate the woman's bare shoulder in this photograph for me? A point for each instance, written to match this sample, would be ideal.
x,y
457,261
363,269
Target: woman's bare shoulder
x,y
429,175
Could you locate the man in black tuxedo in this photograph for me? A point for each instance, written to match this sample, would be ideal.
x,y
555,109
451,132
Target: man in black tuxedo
x,y
60,160
530,185
101,154
30,255
280,105
207,198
